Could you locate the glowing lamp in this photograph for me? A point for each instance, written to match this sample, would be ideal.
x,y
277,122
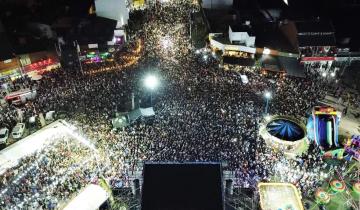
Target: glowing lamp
x,y
266,51
151,82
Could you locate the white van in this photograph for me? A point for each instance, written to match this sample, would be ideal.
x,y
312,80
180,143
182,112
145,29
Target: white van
x,y
18,131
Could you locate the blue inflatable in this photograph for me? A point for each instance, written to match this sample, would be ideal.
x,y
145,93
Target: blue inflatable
x,y
323,128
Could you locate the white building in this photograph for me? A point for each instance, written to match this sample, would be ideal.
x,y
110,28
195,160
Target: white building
x,y
241,35
240,39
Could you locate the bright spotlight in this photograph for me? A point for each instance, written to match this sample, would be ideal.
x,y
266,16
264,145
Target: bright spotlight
x,y
266,51
332,74
205,57
151,82
267,95
324,74
197,51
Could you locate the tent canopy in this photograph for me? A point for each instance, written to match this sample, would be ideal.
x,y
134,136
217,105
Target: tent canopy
x,y
137,113
119,122
244,79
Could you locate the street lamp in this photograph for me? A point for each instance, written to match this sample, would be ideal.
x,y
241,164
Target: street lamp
x,y
151,82
266,51
267,96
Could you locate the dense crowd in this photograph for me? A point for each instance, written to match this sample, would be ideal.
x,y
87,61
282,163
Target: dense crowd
x,y
203,113
48,177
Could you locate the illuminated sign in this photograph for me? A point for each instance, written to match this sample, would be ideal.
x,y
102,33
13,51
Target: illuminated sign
x,y
315,33
314,59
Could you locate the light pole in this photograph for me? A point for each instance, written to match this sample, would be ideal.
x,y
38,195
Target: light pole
x,y
151,82
267,96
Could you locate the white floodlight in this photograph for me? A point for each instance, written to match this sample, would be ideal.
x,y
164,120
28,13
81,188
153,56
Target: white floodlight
x,y
267,95
266,51
151,82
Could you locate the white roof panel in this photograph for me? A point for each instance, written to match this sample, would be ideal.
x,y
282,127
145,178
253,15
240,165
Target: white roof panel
x,y
90,198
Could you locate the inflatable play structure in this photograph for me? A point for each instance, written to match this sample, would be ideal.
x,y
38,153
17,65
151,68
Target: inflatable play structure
x,y
323,128
284,133
291,136
352,148
338,188
279,196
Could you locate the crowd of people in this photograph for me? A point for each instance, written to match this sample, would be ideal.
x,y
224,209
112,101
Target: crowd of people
x,y
47,178
203,113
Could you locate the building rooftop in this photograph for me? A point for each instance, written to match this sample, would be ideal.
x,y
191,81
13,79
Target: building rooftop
x,y
93,30
6,51
238,61
314,26
317,40
220,19
270,36
242,28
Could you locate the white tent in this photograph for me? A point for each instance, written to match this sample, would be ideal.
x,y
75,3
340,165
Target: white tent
x,y
244,79
147,112
141,112
90,198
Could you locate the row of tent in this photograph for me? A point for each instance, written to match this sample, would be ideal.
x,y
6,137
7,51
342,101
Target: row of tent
x,y
124,120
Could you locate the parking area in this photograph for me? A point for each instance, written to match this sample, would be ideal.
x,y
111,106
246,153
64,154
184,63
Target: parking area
x,y
29,128
11,140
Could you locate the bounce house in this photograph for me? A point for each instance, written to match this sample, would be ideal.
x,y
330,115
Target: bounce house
x,y
323,128
352,148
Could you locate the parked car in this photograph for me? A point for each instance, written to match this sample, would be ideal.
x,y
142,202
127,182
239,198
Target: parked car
x,y
4,135
18,131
